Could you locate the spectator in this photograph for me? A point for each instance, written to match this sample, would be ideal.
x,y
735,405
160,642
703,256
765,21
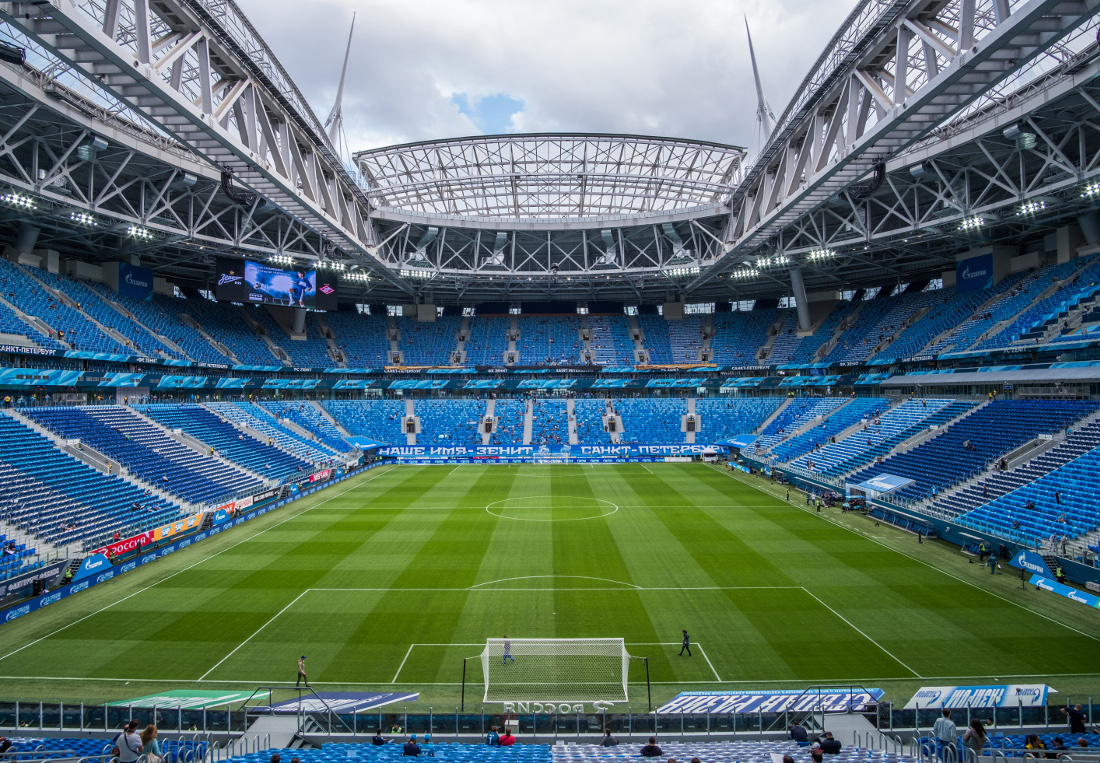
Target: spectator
x,y
5,745
975,737
830,745
128,744
150,745
608,740
815,754
1058,744
276,758
1034,743
1076,719
506,739
944,729
1082,742
492,738
378,739
651,750
427,748
411,748
798,734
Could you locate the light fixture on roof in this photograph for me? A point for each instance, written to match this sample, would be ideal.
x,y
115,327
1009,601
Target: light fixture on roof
x,y
974,222
138,232
821,254
83,218
1092,190
18,200
745,272
281,259
359,276
1033,207
681,272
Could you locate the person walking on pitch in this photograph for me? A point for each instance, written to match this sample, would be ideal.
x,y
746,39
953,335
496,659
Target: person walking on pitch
x,y
686,645
302,671
507,651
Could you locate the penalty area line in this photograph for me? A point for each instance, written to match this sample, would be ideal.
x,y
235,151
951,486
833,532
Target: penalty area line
x,y
395,675
857,630
269,622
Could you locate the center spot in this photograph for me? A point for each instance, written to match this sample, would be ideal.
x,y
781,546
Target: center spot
x,y
546,508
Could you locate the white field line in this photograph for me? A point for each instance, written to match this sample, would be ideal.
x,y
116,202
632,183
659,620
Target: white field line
x,y
586,588
860,632
395,675
223,659
647,469
712,670
926,564
185,569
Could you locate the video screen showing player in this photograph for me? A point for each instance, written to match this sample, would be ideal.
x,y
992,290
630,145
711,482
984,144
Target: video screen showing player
x,y
281,287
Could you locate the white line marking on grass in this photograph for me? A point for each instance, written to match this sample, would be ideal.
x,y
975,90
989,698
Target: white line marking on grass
x,y
533,577
857,630
712,670
647,469
452,471
921,561
395,675
551,497
223,659
632,587
185,569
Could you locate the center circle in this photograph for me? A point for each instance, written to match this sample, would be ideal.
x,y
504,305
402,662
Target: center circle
x,y
547,508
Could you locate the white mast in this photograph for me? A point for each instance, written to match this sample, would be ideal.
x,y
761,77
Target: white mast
x,y
335,121
764,115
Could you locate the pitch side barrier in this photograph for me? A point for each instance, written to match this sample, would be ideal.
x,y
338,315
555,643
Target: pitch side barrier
x,y
536,454
98,561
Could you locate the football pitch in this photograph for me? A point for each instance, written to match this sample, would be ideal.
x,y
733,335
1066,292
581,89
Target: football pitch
x,y
388,580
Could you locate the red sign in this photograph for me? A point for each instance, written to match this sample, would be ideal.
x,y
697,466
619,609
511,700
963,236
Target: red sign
x,y
322,475
126,546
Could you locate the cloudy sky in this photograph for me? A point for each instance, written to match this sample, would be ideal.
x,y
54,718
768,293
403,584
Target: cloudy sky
x,y
423,69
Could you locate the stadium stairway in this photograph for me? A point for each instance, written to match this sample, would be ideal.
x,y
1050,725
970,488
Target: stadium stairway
x,y
261,331
775,414
529,422
221,348
98,460
328,417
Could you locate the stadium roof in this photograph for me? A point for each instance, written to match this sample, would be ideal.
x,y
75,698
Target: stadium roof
x,y
549,176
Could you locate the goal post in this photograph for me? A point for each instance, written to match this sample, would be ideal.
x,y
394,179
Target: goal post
x,y
555,670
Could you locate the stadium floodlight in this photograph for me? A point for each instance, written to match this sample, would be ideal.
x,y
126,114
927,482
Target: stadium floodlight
x,y
355,277
555,670
1033,207
83,218
745,272
972,223
281,259
136,231
681,272
1092,190
821,254
18,200
420,275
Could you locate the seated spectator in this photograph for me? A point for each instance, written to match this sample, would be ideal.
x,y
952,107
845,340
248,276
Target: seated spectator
x,y
830,745
378,739
608,740
651,750
506,739
411,748
798,734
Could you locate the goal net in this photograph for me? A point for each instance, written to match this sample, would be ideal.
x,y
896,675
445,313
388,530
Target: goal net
x,y
555,670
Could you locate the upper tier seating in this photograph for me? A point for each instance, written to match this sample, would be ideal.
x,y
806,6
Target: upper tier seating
x,y
255,417
309,353
738,336
308,417
655,329
147,451
685,337
858,409
362,338
549,425
881,433
224,322
10,323
655,420
488,340
800,412
378,420
721,419
60,499
1078,441
161,315
449,423
71,325
947,311
549,340
226,440
611,343
790,348
991,431
1072,512
509,429
589,415
428,344
879,320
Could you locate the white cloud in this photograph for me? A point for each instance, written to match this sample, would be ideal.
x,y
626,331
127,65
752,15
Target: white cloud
x,y
642,66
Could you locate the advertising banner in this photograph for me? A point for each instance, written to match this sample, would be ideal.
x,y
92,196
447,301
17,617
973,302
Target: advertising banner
x,y
1064,590
11,377
126,545
135,282
120,379
52,570
342,702
1030,561
258,283
974,274
770,701
528,452
179,526
1010,695
95,563
183,382
187,699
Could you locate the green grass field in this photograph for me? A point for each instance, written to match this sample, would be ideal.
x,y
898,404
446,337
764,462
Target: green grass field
x,y
391,578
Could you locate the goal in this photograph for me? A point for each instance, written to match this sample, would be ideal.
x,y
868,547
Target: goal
x,y
555,670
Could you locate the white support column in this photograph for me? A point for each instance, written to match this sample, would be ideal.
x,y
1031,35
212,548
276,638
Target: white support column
x,y
800,303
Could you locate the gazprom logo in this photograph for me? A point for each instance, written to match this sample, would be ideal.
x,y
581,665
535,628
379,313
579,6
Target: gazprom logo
x,y
135,282
1027,563
967,273
79,587
52,598
17,612
105,576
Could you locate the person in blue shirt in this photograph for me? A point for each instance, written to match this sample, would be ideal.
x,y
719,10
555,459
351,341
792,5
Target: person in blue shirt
x,y
300,288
